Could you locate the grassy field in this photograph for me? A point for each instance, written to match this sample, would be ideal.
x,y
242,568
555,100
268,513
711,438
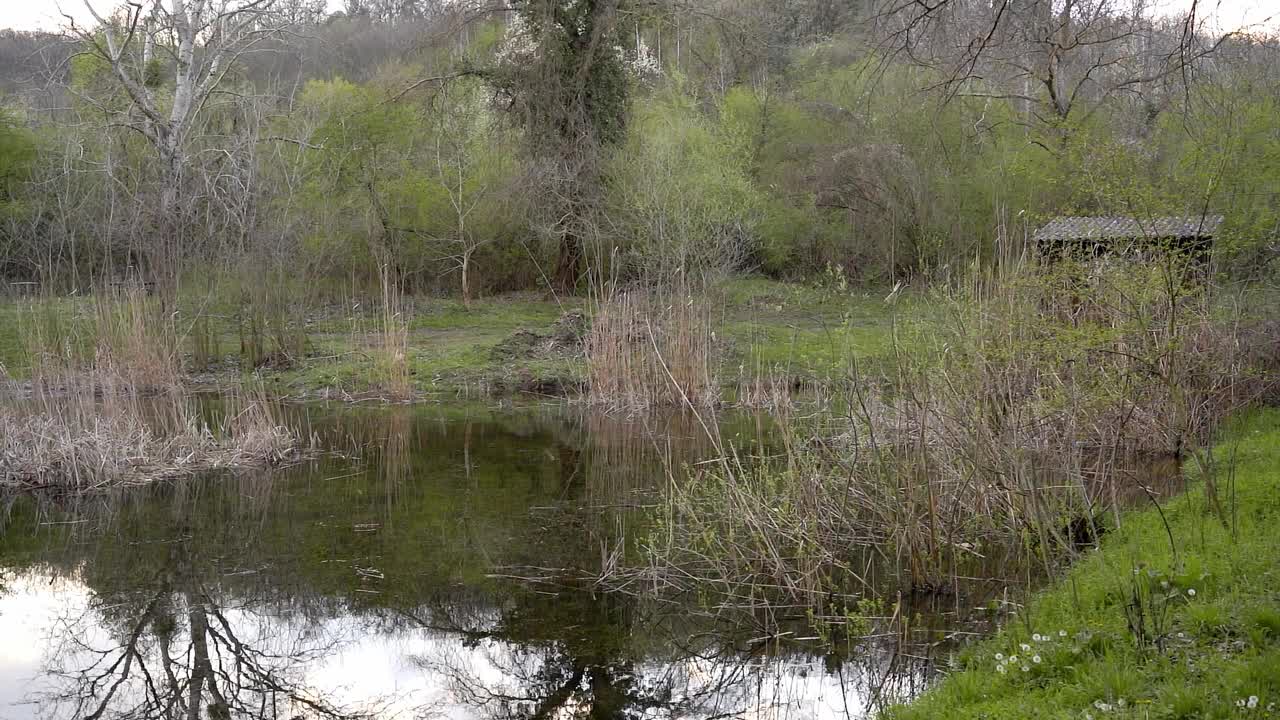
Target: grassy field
x,y
1177,616
762,327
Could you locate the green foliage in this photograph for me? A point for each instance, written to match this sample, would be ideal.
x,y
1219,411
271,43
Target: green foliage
x,y
17,153
682,195
392,181
573,86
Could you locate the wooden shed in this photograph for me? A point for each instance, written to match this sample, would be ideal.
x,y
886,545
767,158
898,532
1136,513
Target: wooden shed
x,y
1091,237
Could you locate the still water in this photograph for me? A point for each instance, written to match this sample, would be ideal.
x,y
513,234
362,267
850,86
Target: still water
x,y
429,566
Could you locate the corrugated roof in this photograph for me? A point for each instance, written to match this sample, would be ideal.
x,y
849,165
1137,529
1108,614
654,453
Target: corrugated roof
x,y
1123,228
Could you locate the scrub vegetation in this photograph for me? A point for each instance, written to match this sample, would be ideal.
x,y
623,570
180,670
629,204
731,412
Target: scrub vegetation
x,y
826,210
1175,616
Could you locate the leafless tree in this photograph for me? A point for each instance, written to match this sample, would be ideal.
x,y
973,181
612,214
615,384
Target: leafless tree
x,y
460,127
200,41
1057,58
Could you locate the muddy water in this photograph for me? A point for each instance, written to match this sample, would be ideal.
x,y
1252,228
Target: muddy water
x,y
430,568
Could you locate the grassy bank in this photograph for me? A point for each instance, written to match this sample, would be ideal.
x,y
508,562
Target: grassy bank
x,y
1176,616
505,344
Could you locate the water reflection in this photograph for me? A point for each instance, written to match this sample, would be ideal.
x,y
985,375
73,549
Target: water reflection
x,y
380,584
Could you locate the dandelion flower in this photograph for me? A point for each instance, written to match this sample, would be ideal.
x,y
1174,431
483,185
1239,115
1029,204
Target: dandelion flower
x,y
1035,659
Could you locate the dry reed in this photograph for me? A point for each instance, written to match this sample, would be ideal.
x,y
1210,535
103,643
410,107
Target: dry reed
x,y
643,351
1015,431
393,354
92,435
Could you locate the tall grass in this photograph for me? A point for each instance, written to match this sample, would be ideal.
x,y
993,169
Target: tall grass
x,y
392,357
1020,425
93,433
120,337
106,405
643,350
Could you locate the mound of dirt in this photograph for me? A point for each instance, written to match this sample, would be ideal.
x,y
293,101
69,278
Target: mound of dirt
x,y
564,339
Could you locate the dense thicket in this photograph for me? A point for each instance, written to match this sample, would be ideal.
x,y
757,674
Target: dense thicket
x,y
592,143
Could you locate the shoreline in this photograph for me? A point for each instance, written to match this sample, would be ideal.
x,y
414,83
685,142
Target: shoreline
x,y
1143,628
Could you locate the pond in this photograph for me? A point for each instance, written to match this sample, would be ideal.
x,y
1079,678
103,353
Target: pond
x,y
430,564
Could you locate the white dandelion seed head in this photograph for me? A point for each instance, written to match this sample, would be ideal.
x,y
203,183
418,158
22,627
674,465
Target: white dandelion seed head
x,y
1025,647
999,656
1035,659
1000,669
1191,592
1026,668
1253,702
1035,637
1062,633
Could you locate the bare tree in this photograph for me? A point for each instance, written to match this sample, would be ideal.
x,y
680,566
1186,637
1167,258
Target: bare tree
x,y
460,128
201,42
1053,57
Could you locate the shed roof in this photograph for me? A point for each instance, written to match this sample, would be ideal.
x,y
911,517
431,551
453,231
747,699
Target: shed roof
x,y
1124,228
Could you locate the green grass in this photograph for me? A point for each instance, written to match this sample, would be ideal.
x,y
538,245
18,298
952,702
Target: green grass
x,y
762,327
12,355
1214,594
812,332
67,316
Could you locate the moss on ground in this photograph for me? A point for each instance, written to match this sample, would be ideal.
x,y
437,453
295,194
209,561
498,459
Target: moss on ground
x,y
1144,628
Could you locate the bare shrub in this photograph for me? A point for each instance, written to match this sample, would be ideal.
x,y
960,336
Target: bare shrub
x,y
1042,402
647,351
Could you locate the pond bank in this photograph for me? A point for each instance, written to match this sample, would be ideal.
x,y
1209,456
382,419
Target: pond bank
x,y
1176,616
501,346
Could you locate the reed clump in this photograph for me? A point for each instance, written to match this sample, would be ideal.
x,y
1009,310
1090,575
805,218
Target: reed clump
x,y
118,337
392,354
94,434
647,350
1021,423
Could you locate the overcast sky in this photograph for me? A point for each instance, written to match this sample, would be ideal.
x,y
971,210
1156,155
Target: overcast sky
x,y
47,14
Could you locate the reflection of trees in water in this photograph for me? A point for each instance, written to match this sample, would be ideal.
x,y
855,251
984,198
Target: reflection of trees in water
x,y
173,650
618,662
219,593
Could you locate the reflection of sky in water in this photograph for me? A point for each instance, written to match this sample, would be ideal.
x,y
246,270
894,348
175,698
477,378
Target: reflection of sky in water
x,y
47,623
366,583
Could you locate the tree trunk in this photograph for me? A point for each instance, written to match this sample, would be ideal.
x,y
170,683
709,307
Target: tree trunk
x,y
569,266
466,283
